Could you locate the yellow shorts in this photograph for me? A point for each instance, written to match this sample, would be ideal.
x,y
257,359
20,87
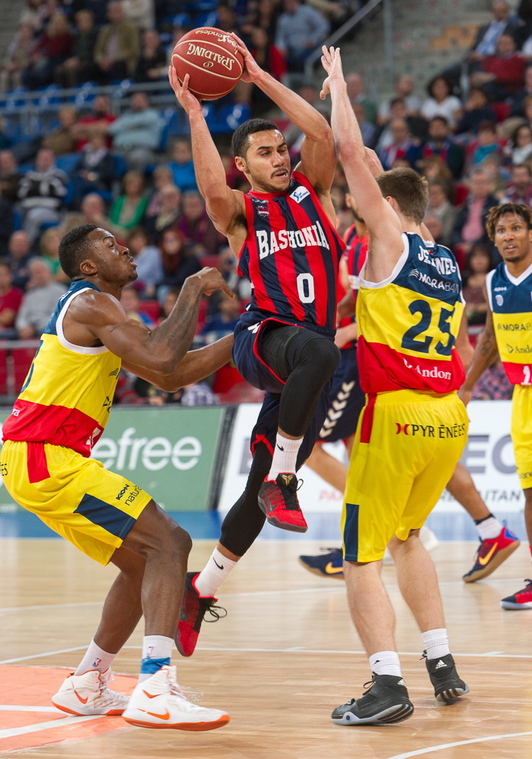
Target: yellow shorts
x,y
521,430
76,497
406,448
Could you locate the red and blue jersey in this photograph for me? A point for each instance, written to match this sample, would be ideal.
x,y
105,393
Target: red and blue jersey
x,y
291,256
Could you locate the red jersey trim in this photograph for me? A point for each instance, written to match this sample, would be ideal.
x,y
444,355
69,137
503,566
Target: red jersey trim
x,y
58,425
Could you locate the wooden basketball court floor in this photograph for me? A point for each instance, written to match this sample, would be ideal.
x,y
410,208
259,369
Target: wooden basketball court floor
x,y
282,659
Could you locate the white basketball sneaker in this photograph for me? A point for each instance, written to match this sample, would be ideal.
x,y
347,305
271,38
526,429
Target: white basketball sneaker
x,y
88,694
159,702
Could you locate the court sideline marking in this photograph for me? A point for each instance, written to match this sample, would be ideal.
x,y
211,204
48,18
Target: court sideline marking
x,y
442,746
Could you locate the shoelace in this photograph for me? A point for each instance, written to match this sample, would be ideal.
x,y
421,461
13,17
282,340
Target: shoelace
x,y
216,612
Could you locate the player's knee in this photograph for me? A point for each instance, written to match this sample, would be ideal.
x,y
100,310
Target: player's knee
x,y
323,356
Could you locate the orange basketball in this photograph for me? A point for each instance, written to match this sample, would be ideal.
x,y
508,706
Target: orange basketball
x,y
212,60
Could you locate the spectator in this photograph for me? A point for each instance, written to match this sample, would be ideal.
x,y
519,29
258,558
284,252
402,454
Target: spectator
x,y
223,320
177,263
95,169
7,223
518,98
197,229
367,128
92,211
441,143
148,260
52,47
433,168
477,265
265,15
117,46
17,57
403,89
417,125
168,214
470,221
476,110
19,256
162,177
488,34
141,13
39,300
62,140
10,300
137,132
520,188
98,121
49,250
79,67
300,30
502,74
133,306
182,166
355,90
151,65
32,15
98,8
128,209
41,192
441,102
402,146
270,59
9,176
441,208
487,144
520,146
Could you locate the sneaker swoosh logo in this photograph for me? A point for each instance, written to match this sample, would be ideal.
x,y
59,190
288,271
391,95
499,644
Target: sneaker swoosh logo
x,y
83,700
483,560
150,695
330,569
166,715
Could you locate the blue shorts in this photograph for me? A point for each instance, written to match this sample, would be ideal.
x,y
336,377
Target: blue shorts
x,y
347,400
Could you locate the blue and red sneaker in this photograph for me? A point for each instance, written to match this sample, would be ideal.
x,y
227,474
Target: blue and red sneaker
x,y
330,564
520,600
491,553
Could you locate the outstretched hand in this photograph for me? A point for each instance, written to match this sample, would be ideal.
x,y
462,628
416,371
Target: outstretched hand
x,y
332,63
186,99
251,70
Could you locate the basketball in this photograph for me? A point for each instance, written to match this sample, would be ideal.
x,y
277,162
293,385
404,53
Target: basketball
x,y
212,60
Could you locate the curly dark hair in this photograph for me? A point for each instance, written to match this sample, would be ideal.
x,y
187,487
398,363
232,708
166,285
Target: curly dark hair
x,y
496,212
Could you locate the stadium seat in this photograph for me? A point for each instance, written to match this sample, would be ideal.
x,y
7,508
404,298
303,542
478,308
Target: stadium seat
x,y
229,117
67,162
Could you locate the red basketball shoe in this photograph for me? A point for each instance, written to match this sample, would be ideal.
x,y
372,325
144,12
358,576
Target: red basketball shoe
x,y
491,554
193,612
278,500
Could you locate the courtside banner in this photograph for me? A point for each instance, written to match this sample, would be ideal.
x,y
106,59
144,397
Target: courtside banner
x,y
171,452
488,456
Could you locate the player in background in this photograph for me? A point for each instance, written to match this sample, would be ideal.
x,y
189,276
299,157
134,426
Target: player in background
x,y
283,233
507,332
413,427
61,412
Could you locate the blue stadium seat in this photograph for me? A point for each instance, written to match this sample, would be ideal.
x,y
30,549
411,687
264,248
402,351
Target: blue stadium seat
x,y
67,162
120,165
229,117
52,94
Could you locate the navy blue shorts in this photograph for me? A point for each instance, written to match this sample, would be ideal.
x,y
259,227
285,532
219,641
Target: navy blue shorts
x,y
346,400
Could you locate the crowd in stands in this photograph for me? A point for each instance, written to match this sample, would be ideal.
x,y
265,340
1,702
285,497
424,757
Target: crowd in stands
x,y
470,135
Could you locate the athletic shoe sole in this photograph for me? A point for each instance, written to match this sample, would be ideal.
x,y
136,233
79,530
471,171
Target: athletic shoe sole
x,y
449,695
188,726
284,525
497,560
515,606
395,713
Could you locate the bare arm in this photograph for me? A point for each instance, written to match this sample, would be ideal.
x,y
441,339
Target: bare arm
x,y
224,205
485,353
195,366
94,318
318,158
381,220
463,345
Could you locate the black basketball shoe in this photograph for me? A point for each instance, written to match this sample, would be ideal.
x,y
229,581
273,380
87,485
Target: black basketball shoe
x,y
386,700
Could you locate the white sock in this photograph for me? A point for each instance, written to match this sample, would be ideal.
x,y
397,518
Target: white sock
x,y
436,643
385,663
284,455
95,658
489,528
216,570
156,653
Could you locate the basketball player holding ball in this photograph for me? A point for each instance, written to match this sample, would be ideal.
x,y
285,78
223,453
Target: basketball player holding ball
x,y
283,233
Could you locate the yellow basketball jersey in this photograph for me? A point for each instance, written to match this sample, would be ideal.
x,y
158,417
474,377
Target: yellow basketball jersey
x,y
68,393
408,324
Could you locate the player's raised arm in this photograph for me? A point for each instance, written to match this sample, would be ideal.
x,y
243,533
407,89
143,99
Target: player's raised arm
x,y
382,222
318,158
223,204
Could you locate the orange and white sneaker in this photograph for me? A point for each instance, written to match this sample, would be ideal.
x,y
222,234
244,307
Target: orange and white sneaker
x,y
159,702
88,694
